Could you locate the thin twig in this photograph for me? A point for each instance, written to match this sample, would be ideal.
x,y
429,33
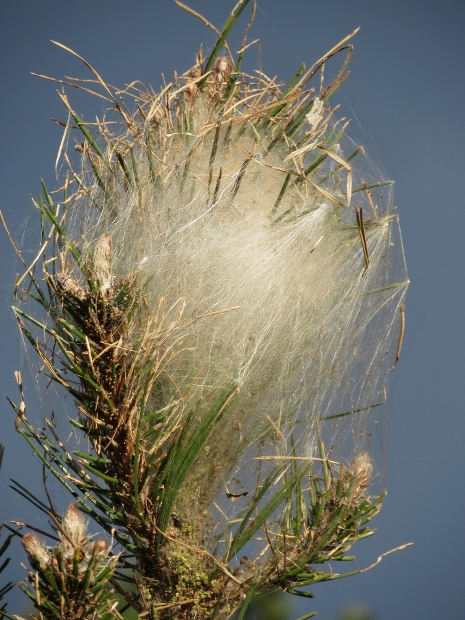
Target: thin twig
x,y
384,554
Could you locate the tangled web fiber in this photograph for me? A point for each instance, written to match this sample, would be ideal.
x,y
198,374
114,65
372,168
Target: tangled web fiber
x,y
266,251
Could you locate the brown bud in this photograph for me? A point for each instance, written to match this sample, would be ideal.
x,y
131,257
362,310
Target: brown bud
x,y
195,72
70,287
74,527
362,468
102,262
36,549
216,82
100,547
362,465
191,89
222,69
191,92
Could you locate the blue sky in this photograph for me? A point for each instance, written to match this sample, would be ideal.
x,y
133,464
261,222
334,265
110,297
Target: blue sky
x,y
405,94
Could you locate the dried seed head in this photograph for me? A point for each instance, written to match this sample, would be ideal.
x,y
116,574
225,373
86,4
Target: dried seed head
x,y
191,92
362,465
219,77
70,287
362,468
36,549
100,547
195,72
222,69
102,263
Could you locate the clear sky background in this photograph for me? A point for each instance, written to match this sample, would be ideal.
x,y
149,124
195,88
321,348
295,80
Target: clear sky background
x,y
407,92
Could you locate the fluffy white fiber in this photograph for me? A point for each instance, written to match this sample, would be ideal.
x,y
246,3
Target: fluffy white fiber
x,y
271,291
224,303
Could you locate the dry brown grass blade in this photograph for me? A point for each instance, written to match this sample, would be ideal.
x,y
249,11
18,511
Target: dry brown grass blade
x,y
249,25
29,269
343,163
158,101
34,528
246,47
87,90
208,314
319,189
264,108
89,66
62,124
299,152
341,76
372,205
385,554
207,23
186,86
299,175
16,249
100,80
294,458
314,68
62,143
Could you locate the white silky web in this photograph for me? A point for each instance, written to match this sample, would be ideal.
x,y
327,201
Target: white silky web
x,y
288,295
